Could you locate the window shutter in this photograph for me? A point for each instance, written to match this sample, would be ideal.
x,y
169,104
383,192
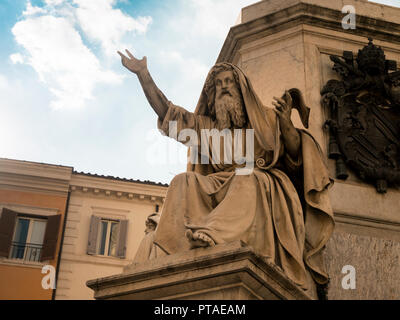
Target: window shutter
x,y
7,225
121,244
50,237
93,233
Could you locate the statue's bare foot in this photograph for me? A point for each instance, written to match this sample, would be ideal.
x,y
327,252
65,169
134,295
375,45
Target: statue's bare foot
x,y
199,239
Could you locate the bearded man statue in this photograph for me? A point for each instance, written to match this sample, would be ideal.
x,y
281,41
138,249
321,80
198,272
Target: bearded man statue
x,y
281,208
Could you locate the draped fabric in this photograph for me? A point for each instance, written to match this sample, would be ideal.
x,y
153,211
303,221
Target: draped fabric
x,y
281,208
147,250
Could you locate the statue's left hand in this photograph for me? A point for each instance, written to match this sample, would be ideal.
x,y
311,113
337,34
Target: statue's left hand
x,y
283,107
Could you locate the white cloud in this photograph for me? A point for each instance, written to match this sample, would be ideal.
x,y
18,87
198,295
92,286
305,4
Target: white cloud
x,y
103,24
210,18
62,61
193,34
31,10
191,68
16,58
52,38
54,2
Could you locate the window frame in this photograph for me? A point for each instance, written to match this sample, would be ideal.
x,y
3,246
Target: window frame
x,y
31,218
107,237
94,235
8,222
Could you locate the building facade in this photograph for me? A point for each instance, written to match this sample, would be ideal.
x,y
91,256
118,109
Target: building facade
x,y
33,201
60,228
105,224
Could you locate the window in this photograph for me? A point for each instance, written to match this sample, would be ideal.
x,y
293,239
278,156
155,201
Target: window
x,y
107,237
28,239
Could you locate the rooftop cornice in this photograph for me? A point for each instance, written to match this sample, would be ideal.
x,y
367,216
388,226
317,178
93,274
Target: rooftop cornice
x,y
147,182
269,17
36,177
35,169
118,188
58,180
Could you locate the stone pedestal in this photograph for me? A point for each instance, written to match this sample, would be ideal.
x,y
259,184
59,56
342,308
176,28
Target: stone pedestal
x,y
225,272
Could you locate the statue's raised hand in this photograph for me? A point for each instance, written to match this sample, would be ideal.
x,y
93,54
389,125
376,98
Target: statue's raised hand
x,y
283,106
133,64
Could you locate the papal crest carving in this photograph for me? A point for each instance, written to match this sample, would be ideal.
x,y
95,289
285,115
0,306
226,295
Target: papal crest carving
x,y
365,116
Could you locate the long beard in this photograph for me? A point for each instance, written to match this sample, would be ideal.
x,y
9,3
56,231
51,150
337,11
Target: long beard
x,y
229,112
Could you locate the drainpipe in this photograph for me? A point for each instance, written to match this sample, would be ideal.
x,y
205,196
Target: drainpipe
x,y
53,297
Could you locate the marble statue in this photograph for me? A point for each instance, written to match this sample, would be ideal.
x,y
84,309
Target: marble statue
x,y
280,207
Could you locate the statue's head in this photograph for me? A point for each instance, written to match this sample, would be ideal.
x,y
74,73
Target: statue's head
x,y
150,227
225,101
152,222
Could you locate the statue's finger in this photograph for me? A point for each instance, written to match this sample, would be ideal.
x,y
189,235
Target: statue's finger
x,y
129,54
279,107
280,104
280,100
288,97
122,55
277,100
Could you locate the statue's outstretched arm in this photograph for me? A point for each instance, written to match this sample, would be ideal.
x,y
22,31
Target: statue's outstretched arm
x,y
291,137
156,98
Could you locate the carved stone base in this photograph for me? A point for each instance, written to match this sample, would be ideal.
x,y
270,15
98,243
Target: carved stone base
x,y
225,272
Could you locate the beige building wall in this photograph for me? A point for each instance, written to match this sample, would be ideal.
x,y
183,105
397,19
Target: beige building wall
x,y
108,198
286,44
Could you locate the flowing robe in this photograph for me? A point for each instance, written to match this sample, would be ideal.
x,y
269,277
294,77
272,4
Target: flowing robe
x,y
263,208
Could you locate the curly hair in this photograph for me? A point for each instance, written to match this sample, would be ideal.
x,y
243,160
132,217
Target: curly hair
x,y
209,87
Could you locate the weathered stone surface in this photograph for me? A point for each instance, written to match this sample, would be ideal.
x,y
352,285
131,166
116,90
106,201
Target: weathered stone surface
x,y
376,262
268,18
225,272
364,8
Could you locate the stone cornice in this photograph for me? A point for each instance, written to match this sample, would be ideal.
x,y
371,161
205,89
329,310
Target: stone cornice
x,y
361,204
44,178
34,177
269,17
128,190
35,169
362,7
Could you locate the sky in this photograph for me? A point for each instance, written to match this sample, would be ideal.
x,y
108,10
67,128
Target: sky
x,y
65,98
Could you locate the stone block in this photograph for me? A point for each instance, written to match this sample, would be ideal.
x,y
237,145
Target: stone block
x,y
224,272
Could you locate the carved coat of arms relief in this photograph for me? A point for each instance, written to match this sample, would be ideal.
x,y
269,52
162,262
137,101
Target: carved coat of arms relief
x,y
364,120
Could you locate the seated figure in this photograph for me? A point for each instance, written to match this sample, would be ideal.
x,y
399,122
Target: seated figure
x,y
280,207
